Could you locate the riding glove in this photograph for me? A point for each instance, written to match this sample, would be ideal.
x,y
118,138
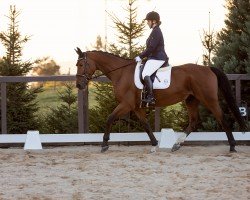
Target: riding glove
x,y
137,59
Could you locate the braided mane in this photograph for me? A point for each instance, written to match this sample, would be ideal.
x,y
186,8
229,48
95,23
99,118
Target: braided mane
x,y
110,54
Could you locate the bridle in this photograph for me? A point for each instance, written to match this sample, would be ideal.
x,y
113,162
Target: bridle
x,y
88,77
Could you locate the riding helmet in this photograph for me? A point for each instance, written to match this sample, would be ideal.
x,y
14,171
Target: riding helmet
x,y
153,16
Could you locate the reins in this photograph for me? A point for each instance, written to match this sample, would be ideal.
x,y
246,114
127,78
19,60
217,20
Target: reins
x,y
93,77
112,70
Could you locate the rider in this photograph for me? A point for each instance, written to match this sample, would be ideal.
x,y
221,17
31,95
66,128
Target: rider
x,y
155,53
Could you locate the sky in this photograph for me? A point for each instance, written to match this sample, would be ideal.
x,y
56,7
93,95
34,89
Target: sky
x,y
57,27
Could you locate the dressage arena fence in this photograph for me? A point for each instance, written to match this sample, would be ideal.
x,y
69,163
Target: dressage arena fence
x,y
83,116
167,138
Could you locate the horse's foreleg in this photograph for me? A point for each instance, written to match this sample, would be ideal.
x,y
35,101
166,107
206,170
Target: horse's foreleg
x,y
120,110
141,114
192,105
111,119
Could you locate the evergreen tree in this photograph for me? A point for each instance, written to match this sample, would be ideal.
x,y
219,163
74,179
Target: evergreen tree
x,y
232,52
208,122
208,43
62,119
21,105
232,55
129,32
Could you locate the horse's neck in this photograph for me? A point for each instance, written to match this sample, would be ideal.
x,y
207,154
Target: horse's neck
x,y
111,68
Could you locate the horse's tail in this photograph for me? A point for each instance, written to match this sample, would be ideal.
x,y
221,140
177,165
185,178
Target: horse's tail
x,y
226,90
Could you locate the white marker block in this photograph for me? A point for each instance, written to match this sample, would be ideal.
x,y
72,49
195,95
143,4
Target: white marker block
x,y
32,141
181,137
168,139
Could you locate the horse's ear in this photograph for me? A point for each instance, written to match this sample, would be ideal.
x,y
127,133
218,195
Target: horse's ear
x,y
78,51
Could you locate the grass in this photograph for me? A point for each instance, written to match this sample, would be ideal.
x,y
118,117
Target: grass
x,y
49,98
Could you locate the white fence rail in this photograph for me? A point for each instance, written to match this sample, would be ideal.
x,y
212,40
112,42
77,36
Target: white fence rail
x,y
120,137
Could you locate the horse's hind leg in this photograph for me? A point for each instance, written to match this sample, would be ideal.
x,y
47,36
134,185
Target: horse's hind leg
x,y
192,105
215,108
120,110
141,114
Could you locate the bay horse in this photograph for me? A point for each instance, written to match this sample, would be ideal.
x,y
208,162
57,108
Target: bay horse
x,y
191,83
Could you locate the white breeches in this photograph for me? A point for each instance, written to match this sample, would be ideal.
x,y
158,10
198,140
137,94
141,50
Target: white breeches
x,y
151,66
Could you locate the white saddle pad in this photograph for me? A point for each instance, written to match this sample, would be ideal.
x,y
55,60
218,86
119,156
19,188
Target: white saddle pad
x,y
164,75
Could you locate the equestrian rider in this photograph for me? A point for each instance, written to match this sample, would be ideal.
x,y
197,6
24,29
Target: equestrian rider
x,y
155,53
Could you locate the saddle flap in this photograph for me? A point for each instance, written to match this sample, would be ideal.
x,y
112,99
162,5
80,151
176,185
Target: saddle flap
x,y
161,79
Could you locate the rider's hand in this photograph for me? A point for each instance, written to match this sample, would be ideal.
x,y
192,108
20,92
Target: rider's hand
x,y
137,59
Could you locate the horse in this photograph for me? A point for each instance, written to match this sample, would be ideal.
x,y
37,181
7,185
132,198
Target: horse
x,y
194,84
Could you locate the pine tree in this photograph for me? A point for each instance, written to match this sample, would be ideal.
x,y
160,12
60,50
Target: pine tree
x,y
232,55
232,52
208,43
208,122
62,119
129,31
21,104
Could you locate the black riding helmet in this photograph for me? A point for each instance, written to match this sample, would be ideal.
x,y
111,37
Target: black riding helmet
x,y
153,16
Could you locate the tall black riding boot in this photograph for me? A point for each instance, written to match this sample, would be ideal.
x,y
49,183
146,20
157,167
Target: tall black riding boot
x,y
149,86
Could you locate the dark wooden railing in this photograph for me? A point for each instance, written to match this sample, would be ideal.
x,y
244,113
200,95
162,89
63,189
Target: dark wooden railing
x,y
83,96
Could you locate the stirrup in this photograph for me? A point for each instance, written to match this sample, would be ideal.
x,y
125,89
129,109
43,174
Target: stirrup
x,y
149,100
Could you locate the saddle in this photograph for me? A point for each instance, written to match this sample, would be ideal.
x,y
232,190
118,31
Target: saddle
x,y
160,80
153,76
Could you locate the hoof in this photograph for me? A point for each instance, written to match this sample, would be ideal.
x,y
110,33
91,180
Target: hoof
x,y
153,149
175,147
232,150
105,148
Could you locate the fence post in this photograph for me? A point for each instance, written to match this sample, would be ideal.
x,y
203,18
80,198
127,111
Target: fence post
x,y
157,119
238,91
3,108
86,110
83,111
